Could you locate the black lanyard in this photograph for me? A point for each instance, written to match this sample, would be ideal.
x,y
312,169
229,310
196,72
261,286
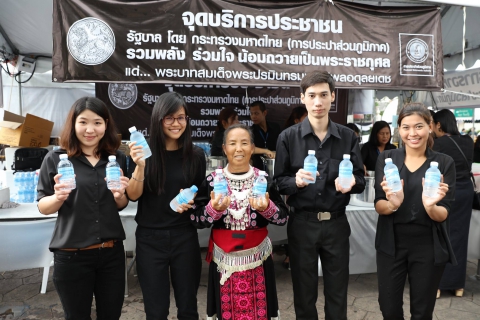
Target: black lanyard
x,y
263,137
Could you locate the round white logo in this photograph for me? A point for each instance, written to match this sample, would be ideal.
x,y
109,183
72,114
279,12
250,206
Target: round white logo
x,y
90,41
417,50
122,95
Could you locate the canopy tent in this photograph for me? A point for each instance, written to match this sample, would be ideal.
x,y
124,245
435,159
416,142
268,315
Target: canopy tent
x,y
26,29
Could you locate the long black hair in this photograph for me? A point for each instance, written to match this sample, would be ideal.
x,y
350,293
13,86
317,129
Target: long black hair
x,y
155,170
447,121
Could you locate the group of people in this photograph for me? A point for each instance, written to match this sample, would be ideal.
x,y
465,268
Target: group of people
x,y
412,234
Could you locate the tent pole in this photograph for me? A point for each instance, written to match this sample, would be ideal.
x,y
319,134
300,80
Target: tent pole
x,y
20,94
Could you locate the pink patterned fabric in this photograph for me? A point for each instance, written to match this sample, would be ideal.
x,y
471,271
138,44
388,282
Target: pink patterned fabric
x,y
270,211
212,212
243,296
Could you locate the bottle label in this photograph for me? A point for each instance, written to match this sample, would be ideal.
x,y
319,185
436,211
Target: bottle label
x,y
113,173
259,188
392,175
432,178
181,198
344,172
310,167
220,187
66,172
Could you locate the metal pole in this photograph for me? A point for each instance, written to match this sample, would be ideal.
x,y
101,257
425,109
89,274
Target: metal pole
x,y
20,94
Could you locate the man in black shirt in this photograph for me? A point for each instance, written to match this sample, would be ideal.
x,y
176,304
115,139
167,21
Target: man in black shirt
x,y
265,134
318,225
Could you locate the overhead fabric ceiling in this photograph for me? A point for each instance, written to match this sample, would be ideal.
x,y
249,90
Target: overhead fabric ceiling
x,y
27,25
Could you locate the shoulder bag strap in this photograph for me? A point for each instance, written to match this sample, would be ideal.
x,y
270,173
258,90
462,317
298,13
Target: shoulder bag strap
x,y
464,157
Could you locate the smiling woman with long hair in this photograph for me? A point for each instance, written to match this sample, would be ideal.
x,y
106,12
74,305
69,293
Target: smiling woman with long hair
x,y
87,240
167,242
412,232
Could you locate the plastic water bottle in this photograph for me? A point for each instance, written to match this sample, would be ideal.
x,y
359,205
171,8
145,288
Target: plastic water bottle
x,y
259,188
310,165
140,140
220,184
392,176
113,173
183,197
432,180
65,168
345,171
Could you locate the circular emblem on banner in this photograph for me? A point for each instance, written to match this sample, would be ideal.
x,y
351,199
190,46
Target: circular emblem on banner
x,y
90,41
122,95
417,50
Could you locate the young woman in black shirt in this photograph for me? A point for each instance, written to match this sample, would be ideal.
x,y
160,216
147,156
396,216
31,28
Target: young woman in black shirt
x,y
412,238
167,242
87,240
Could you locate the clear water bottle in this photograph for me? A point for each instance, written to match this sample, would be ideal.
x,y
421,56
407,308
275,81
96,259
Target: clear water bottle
x,y
183,197
345,171
310,165
65,168
113,173
259,188
392,176
432,180
220,184
140,140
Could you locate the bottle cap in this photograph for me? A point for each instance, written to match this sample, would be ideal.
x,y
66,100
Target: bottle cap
x,y
112,158
132,129
311,151
433,164
218,170
346,156
63,156
194,188
388,160
262,173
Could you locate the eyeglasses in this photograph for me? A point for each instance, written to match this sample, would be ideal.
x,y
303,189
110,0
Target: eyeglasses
x,y
171,120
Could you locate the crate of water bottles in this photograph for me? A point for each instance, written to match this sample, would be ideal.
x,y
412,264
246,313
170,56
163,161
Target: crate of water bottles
x,y
26,185
205,146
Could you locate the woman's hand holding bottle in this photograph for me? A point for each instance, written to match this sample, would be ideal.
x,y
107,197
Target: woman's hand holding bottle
x,y
219,202
394,197
119,193
61,190
429,202
260,204
136,153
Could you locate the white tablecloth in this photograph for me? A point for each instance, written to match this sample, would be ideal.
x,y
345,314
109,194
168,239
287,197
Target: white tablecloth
x,y
363,222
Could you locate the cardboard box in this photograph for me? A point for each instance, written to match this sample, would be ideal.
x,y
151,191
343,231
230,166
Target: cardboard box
x,y
29,131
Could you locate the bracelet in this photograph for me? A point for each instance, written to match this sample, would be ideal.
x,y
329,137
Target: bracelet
x,y
393,210
137,179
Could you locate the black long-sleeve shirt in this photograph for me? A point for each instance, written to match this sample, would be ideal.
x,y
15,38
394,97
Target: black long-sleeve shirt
x,y
265,140
445,145
370,154
292,148
154,210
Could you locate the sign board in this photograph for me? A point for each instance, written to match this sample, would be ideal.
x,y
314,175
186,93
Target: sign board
x,y
463,113
253,43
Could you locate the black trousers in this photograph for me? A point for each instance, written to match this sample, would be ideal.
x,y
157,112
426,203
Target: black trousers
x,y
413,257
78,275
328,239
163,255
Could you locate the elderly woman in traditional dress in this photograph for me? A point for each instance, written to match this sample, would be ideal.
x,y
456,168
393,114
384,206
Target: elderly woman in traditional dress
x,y
241,274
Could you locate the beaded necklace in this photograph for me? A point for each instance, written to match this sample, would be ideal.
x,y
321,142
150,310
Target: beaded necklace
x,y
238,213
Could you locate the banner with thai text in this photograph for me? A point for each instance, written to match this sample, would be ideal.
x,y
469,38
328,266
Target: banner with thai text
x,y
132,104
246,43
462,89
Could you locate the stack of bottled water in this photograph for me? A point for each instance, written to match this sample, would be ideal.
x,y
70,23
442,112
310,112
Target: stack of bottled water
x,y
26,185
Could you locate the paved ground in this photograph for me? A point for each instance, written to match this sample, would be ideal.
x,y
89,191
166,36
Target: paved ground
x,y
20,297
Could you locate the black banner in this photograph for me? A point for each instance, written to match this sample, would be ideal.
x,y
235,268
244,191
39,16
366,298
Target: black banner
x,y
246,43
132,104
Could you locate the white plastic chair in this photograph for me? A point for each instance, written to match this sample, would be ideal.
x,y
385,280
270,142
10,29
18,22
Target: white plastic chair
x,y
24,245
